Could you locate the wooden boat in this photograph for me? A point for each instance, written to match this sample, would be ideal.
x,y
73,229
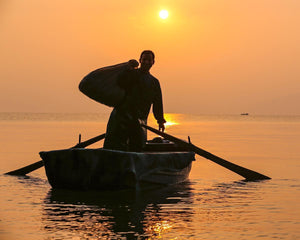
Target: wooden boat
x,y
161,163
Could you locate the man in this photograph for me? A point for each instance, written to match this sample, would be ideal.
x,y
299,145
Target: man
x,y
141,91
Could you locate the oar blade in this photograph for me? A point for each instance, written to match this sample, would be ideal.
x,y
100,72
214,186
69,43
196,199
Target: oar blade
x,y
27,169
34,166
248,174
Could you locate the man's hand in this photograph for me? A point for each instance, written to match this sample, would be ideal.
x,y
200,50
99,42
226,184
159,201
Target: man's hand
x,y
133,63
161,127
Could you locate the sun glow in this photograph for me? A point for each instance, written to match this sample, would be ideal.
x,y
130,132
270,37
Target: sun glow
x,y
164,14
171,120
170,123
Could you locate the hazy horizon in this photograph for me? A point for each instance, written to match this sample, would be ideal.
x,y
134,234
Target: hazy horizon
x,y
212,57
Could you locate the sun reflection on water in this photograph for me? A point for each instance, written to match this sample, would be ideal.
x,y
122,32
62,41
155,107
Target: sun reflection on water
x,y
159,228
172,119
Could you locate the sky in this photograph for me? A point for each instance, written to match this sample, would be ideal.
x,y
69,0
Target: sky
x,y
212,56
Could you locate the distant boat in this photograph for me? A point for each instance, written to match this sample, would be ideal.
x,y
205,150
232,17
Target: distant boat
x,y
245,114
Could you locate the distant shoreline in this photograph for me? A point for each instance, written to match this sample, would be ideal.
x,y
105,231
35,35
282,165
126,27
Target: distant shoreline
x,y
103,116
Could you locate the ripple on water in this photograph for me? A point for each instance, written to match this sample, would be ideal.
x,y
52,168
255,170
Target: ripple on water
x,y
197,209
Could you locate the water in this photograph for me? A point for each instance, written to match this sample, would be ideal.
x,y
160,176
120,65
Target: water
x,y
214,204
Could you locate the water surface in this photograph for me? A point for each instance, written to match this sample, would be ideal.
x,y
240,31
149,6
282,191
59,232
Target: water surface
x,y
214,204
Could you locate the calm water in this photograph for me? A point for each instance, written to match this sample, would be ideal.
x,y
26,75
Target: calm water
x,y
214,204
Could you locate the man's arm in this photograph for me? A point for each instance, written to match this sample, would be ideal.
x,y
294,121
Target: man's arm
x,y
158,111
127,79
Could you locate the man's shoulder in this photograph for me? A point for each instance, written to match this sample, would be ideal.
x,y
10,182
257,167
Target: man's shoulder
x,y
153,78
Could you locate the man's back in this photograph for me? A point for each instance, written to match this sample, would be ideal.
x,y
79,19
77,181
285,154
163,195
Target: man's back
x,y
142,90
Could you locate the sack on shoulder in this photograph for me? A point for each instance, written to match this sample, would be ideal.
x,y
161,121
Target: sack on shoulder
x,y
101,85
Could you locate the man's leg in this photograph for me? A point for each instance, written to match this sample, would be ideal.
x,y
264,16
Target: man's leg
x,y
116,133
137,137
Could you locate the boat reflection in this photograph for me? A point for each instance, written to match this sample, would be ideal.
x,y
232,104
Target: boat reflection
x,y
120,214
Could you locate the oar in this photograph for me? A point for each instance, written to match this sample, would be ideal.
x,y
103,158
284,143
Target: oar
x,y
37,165
246,173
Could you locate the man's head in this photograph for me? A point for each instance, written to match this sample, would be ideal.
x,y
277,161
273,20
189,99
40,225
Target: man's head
x,y
146,60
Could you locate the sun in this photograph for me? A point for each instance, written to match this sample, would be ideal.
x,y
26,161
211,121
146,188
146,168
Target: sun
x,y
163,14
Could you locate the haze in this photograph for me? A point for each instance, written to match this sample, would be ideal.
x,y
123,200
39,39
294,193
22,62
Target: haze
x,y
212,57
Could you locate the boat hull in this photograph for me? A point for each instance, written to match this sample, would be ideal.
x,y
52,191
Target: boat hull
x,y
100,169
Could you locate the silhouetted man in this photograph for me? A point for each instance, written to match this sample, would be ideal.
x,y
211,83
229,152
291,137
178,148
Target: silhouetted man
x,y
141,91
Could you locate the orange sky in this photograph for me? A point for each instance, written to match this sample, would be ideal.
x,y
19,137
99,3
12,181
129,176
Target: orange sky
x,y
212,56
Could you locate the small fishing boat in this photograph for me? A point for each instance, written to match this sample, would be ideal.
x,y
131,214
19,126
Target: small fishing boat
x,y
161,163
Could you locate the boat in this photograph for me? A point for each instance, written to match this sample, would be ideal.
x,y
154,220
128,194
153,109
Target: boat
x,y
161,163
